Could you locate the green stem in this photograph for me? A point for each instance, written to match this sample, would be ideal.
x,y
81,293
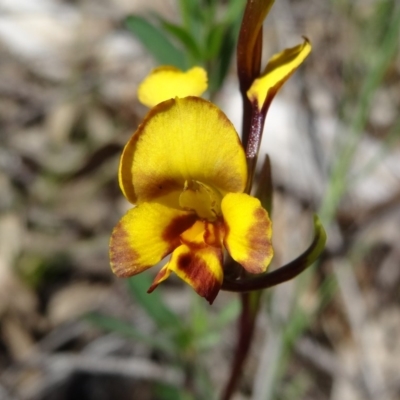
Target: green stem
x,y
247,322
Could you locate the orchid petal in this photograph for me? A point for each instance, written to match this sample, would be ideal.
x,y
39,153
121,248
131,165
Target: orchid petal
x,y
182,140
278,70
162,275
248,231
167,82
288,271
196,263
200,268
145,235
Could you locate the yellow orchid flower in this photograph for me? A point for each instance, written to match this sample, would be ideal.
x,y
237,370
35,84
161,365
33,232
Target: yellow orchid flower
x,y
189,176
167,82
185,170
279,69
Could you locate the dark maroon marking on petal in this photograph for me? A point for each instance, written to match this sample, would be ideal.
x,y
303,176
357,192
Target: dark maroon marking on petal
x,y
151,188
185,260
203,281
176,227
271,94
259,243
122,256
156,280
193,245
219,230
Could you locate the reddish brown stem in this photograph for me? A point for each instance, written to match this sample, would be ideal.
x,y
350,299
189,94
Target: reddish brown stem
x,y
256,127
247,322
249,56
249,50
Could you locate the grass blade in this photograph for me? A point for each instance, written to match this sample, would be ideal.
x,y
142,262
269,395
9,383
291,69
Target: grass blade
x,y
152,303
156,42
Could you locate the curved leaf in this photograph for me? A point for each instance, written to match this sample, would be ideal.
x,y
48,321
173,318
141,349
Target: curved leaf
x,y
288,271
154,305
187,40
156,42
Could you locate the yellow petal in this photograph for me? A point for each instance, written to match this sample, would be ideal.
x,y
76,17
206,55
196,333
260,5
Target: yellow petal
x,y
194,236
164,83
248,232
195,262
145,235
160,277
278,70
182,140
200,268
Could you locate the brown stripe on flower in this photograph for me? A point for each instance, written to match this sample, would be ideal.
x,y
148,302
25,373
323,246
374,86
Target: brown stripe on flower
x,y
163,274
214,233
259,240
122,257
153,187
201,278
270,96
177,226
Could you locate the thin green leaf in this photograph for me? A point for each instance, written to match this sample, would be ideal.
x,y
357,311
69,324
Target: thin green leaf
x,y
203,383
229,313
112,324
200,321
226,52
208,13
156,42
214,41
208,334
187,40
234,11
167,392
208,340
382,58
152,303
191,15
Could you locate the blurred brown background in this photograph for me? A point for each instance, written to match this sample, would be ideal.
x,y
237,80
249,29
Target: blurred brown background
x,y
69,71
